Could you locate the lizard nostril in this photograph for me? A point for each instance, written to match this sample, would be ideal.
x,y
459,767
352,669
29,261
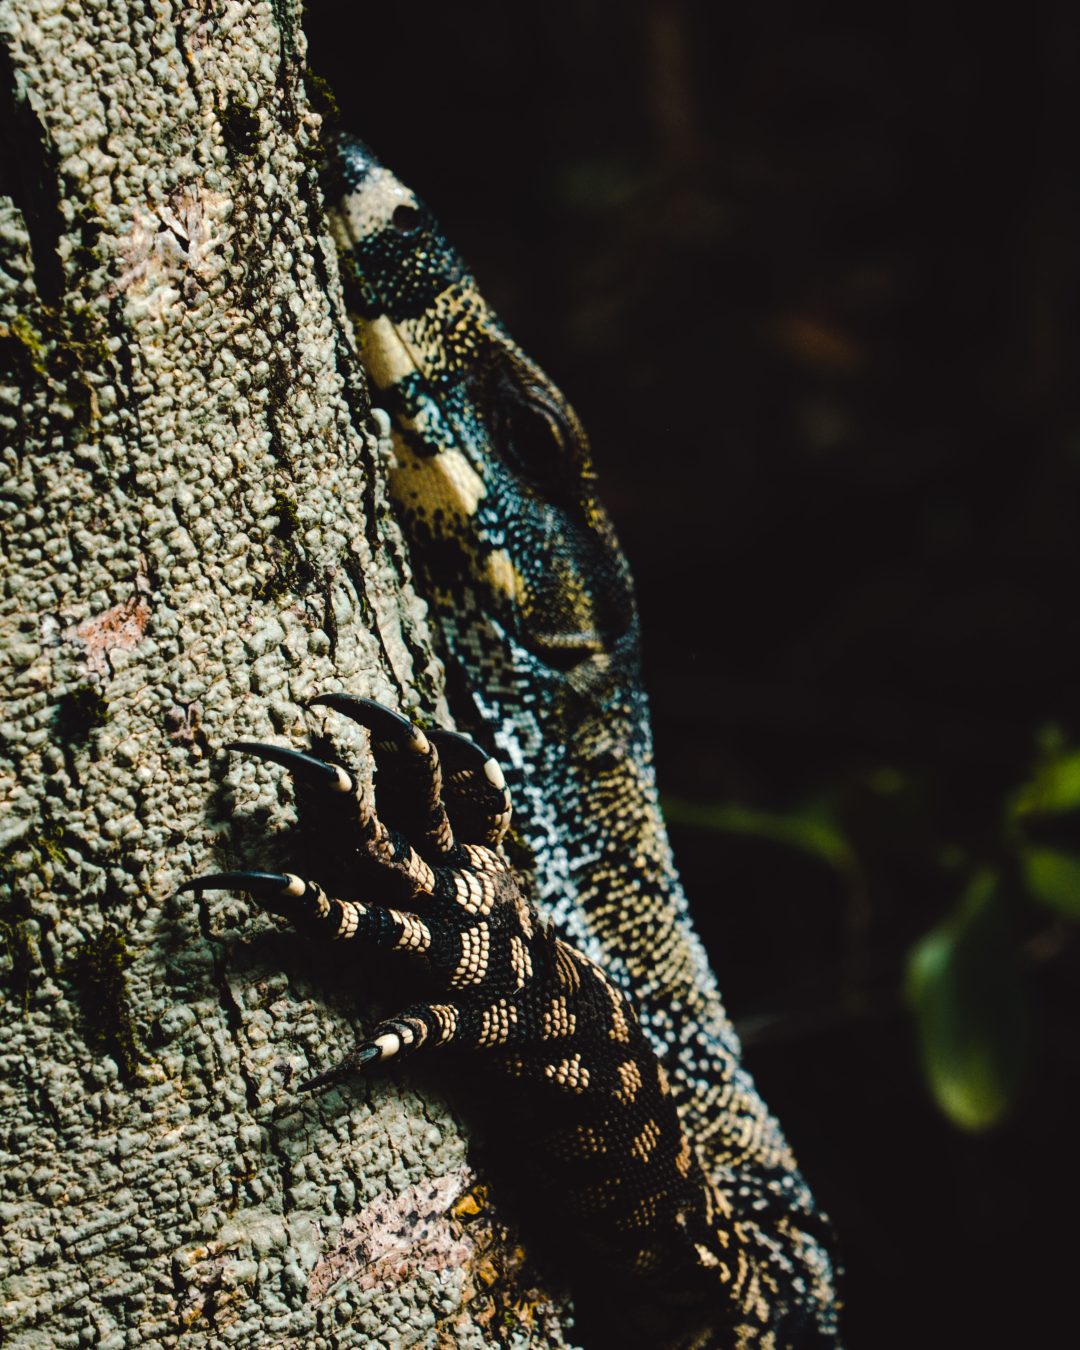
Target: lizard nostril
x,y
406,219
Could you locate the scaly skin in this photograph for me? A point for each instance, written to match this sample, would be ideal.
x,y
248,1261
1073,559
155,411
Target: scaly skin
x,y
534,602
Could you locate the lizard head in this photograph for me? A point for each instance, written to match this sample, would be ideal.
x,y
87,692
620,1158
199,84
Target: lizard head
x,y
493,475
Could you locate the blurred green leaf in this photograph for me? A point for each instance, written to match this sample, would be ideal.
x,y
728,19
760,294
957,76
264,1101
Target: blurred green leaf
x,y
1053,790
965,983
1053,877
809,831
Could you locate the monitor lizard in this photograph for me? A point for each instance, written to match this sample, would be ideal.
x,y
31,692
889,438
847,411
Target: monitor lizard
x,y
586,990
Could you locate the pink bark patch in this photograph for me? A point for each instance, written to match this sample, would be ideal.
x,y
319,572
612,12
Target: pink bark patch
x,y
396,1237
120,628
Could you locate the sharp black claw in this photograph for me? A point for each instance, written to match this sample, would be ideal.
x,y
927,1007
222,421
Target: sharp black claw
x,y
383,723
263,885
352,1063
459,752
304,766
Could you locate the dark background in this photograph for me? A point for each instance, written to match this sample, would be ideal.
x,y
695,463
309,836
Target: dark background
x,y
810,276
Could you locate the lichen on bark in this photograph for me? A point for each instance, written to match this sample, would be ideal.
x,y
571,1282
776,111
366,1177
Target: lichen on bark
x,y
195,540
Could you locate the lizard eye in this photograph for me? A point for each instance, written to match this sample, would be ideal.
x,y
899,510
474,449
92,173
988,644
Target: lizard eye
x,y
406,219
534,442
535,430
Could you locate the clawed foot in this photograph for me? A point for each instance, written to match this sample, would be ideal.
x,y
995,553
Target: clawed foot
x,y
443,808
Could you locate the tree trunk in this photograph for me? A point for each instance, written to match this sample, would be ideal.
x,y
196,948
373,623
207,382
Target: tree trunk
x,y
195,540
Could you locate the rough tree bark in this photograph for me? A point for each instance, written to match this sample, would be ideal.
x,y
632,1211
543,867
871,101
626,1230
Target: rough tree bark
x,y
195,539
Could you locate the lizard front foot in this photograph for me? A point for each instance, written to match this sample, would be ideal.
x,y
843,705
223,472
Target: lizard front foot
x,y
586,1100
458,910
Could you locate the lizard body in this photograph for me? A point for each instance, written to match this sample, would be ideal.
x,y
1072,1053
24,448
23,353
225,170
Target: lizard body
x,y
535,605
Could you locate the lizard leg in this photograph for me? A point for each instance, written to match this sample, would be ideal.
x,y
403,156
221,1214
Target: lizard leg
x,y
306,905
583,1089
461,1023
332,797
419,1026
408,775
439,785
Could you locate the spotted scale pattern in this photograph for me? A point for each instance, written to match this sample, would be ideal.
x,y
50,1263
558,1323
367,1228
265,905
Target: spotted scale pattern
x,y
494,483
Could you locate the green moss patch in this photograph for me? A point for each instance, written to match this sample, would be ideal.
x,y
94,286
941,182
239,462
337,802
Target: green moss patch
x,y
292,573
61,344
96,972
